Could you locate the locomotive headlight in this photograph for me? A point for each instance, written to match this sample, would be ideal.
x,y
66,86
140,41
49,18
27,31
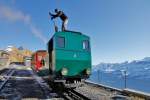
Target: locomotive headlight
x,y
64,71
88,71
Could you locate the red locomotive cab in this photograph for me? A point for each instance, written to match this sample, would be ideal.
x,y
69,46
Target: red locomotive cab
x,y
38,61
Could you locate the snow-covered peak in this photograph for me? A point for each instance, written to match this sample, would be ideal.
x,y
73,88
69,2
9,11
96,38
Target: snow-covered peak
x,y
146,59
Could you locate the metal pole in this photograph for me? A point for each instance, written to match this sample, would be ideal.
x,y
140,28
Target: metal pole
x,y
98,76
125,72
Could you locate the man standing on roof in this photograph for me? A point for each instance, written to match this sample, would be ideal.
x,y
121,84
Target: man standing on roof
x,y
62,16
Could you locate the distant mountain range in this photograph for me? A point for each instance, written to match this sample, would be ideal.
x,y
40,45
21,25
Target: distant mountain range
x,y
138,69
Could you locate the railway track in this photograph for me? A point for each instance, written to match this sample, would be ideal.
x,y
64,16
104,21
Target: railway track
x,y
44,87
5,76
67,93
20,83
71,94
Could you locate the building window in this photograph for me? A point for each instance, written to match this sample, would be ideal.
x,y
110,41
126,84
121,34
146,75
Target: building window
x,y
86,45
60,42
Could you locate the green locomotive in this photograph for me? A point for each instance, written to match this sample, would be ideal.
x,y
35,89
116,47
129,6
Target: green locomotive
x,y
69,56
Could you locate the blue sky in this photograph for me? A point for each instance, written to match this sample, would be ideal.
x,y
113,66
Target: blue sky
x,y
119,29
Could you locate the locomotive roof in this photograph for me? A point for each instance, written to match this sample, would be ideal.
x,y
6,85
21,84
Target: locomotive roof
x,y
73,32
41,51
38,51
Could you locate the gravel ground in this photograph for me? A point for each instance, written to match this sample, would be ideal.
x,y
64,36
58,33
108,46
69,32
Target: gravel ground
x,y
96,93
93,93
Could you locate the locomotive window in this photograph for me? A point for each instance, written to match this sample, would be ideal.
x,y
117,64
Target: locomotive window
x,y
60,41
86,45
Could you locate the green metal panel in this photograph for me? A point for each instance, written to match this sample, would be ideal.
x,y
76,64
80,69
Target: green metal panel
x,y
72,56
73,41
